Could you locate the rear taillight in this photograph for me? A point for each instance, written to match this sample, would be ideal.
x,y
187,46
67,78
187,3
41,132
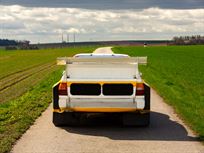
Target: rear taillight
x,y
62,90
139,89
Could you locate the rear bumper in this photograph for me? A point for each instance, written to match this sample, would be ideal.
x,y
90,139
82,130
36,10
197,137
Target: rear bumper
x,y
100,104
70,104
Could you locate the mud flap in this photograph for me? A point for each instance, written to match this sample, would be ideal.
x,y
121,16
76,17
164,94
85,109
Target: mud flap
x,y
55,96
147,97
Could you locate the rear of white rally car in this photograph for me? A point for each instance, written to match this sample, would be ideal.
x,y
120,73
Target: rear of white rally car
x,y
101,87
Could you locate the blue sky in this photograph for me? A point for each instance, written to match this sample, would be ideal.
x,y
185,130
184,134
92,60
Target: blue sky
x,y
45,21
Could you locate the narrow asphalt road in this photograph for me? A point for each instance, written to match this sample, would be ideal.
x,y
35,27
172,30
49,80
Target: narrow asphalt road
x,y
166,134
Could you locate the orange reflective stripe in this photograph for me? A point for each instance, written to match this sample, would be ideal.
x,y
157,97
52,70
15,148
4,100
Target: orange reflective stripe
x,y
103,82
95,109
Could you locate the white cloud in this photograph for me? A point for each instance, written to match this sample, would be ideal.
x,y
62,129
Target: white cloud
x,y
47,24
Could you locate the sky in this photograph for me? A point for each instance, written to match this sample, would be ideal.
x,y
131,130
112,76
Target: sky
x,y
44,21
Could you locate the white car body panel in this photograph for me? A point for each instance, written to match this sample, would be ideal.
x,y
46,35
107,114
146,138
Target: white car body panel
x,y
97,71
101,73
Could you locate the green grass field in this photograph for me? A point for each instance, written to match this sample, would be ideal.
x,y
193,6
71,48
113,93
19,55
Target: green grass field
x,y
177,73
26,79
20,70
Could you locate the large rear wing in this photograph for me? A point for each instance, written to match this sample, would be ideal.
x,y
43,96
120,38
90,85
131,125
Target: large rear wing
x,y
116,60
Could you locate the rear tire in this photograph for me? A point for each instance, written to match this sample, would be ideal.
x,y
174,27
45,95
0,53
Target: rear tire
x,y
66,118
136,119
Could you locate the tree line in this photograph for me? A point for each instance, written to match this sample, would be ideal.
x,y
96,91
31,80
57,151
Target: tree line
x,y
6,42
188,40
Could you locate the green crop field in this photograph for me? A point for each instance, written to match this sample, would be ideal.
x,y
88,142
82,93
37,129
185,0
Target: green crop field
x,y
20,70
26,79
177,73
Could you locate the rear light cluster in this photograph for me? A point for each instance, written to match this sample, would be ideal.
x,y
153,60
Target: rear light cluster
x,y
140,89
62,90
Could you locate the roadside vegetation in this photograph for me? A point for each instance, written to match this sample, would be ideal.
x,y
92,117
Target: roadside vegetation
x,y
177,73
26,79
17,115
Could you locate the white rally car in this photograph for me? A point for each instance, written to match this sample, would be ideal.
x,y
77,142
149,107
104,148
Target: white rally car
x,y
101,83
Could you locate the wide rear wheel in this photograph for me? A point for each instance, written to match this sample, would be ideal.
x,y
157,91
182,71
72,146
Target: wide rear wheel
x,y
66,118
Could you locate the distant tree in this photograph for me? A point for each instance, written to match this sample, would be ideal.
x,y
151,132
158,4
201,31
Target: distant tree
x,y
188,40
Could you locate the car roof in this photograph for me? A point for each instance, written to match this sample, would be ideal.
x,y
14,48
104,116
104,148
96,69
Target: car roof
x,y
93,55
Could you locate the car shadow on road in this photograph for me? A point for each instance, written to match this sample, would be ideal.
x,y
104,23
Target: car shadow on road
x,y
160,128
